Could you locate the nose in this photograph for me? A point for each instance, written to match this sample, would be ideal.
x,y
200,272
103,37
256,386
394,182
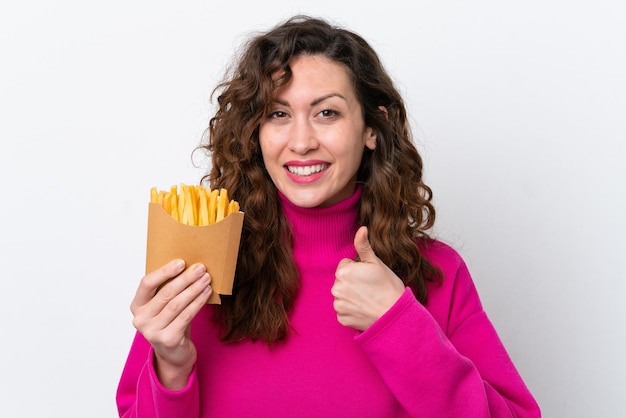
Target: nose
x,y
302,137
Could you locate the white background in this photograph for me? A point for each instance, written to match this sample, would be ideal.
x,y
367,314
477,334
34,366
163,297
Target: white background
x,y
519,109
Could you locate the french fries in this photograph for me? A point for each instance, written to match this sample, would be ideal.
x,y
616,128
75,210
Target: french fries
x,y
194,205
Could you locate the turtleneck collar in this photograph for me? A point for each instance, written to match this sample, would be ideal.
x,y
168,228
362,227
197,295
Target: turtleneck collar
x,y
323,232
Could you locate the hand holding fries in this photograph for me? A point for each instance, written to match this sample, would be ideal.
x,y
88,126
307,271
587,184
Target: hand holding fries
x,y
165,302
195,205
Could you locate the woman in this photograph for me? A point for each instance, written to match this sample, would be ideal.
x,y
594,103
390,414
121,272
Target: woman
x,y
343,306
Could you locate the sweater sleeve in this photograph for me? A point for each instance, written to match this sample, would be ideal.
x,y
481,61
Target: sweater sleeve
x,y
449,362
140,394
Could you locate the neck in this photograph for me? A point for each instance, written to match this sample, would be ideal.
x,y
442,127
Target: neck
x,y
323,232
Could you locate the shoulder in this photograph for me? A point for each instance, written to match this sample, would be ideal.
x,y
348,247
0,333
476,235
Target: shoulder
x,y
441,255
456,297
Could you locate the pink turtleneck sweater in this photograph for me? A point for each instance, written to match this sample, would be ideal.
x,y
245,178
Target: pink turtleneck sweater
x,y
443,359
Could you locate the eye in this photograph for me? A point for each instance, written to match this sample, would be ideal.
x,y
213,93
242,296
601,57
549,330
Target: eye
x,y
277,114
329,113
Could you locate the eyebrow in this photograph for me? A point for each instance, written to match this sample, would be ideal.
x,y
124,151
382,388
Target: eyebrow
x,y
316,101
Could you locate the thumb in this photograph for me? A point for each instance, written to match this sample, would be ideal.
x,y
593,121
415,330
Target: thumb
x,y
363,247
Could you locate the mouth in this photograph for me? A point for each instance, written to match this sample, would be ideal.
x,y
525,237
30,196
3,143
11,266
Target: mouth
x,y
307,170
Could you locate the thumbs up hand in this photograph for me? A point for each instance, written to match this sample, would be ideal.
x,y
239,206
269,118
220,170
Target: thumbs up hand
x,y
364,290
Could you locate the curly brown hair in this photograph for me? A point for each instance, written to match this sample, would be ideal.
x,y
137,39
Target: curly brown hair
x,y
395,203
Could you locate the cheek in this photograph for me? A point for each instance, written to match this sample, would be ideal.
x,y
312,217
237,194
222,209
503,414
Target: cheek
x,y
355,151
266,145
271,140
358,156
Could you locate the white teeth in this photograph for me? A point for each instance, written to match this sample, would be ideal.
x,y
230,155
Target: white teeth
x,y
307,170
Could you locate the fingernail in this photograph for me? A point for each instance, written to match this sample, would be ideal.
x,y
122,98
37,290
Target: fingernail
x,y
204,278
199,268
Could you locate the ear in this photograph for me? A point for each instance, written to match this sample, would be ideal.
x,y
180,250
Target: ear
x,y
370,141
384,110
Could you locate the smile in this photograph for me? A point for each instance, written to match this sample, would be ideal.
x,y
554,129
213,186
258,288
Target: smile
x,y
307,170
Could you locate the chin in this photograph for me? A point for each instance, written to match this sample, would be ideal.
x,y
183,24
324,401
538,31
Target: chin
x,y
305,200
306,203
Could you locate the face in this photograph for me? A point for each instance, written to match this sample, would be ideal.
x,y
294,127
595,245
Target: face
x,y
314,137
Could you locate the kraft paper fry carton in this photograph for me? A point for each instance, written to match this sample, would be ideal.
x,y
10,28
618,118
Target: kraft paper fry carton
x,y
216,246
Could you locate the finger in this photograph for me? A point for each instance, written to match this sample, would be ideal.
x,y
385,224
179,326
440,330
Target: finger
x,y
342,265
174,291
151,282
180,323
335,290
174,287
154,319
363,247
179,313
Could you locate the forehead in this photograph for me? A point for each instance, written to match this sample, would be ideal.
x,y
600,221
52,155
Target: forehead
x,y
317,72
